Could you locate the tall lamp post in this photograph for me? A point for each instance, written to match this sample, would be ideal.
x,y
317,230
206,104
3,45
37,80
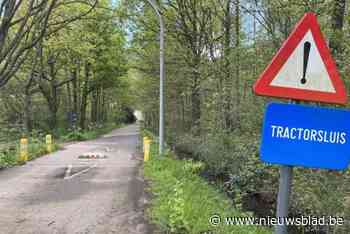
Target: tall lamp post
x,y
161,74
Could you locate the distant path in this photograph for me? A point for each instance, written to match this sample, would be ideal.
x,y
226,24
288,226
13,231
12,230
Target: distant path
x,y
97,196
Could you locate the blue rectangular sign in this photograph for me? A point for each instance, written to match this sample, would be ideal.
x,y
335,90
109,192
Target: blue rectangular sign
x,y
298,135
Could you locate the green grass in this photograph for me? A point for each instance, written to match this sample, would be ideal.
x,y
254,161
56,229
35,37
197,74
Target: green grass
x,y
183,201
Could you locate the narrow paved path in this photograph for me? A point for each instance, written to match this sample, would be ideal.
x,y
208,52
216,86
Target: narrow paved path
x,y
64,194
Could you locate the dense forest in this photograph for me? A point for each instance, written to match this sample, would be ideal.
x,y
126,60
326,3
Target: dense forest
x,y
63,67
215,50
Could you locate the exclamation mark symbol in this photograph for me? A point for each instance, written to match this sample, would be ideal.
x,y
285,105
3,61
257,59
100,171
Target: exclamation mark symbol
x,y
307,46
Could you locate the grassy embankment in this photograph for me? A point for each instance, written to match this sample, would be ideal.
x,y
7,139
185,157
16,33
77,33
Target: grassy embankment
x,y
183,202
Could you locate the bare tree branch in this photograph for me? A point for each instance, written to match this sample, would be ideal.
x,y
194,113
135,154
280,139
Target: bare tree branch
x,y
24,23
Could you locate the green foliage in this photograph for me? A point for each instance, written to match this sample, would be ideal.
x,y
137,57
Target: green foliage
x,y
36,147
92,132
231,161
183,201
77,135
193,167
9,155
7,159
221,69
322,193
81,78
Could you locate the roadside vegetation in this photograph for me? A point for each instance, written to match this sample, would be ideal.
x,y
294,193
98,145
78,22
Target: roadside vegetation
x,y
183,201
62,72
74,68
215,51
37,147
88,134
10,153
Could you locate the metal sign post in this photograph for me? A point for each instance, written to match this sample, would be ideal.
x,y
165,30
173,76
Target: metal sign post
x,y
322,141
284,191
297,135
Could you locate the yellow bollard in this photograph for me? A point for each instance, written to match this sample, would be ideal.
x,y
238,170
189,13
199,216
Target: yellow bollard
x,y
144,143
23,148
49,143
147,147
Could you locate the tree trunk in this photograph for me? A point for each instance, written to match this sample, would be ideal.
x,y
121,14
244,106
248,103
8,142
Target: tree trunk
x,y
69,97
84,97
94,106
53,117
53,103
28,112
104,106
75,95
28,103
196,102
337,26
83,111
183,113
226,86
238,44
195,96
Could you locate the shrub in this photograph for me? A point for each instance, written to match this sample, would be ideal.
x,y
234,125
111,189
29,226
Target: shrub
x,y
92,132
36,148
7,159
76,135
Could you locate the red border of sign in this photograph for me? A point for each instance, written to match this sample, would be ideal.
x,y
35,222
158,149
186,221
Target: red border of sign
x,y
262,85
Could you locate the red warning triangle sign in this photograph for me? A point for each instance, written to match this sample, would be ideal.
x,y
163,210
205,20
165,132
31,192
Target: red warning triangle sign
x,y
303,68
